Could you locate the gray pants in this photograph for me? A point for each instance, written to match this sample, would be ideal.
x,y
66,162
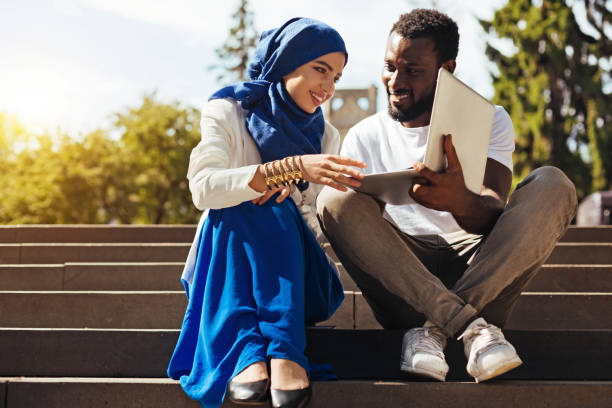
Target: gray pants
x,y
450,279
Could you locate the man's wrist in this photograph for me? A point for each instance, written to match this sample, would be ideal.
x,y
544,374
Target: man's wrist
x,y
465,205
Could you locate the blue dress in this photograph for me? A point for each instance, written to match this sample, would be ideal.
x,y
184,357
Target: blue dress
x,y
260,278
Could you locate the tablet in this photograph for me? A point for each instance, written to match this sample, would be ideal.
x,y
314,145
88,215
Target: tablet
x,y
392,188
457,110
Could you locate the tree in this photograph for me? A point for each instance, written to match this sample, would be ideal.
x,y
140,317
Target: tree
x,y
156,141
236,51
552,85
57,179
140,178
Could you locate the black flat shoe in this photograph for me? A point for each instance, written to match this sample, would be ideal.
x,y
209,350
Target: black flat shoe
x,y
249,393
291,398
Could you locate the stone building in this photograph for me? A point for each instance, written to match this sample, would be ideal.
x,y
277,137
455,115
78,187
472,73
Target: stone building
x,y
349,106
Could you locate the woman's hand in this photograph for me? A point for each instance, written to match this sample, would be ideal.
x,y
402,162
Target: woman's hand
x,y
284,193
331,170
326,169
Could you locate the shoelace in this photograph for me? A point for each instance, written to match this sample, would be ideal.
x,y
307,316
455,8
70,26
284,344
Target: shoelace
x,y
428,343
483,338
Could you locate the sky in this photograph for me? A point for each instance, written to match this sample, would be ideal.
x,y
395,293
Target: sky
x,y
69,64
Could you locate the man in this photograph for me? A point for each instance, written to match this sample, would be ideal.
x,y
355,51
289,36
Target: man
x,y
451,263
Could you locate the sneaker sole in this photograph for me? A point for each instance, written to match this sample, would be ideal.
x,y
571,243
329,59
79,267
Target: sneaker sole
x,y
507,366
425,373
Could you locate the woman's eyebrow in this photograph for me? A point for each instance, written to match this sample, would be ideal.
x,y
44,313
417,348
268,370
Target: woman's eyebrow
x,y
327,66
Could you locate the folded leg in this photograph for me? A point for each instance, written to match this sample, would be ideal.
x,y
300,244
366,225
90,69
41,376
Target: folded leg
x,y
536,216
393,270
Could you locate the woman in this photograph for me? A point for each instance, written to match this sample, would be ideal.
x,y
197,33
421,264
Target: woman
x,y
255,274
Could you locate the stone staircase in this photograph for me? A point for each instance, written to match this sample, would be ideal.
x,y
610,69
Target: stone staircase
x,y
89,316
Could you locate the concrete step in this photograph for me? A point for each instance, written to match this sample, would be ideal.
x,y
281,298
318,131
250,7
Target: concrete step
x,y
77,309
185,233
581,253
570,355
533,311
564,253
164,393
602,233
93,276
96,233
94,393
572,278
134,276
98,252
547,310
165,310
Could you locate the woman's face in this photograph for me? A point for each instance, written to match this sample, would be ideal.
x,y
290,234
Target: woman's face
x,y
314,82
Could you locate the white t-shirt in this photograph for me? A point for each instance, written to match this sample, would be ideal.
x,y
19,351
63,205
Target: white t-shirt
x,y
385,145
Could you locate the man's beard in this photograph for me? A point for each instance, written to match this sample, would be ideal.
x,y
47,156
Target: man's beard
x,y
420,107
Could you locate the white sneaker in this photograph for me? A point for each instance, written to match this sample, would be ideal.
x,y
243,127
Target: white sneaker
x,y
423,353
488,352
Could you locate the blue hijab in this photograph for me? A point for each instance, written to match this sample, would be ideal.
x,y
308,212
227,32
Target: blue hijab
x,y
278,126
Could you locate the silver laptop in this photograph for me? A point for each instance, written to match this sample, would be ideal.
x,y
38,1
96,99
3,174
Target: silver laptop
x,y
457,110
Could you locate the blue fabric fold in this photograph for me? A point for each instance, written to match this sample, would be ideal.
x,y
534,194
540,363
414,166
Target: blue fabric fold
x,y
260,278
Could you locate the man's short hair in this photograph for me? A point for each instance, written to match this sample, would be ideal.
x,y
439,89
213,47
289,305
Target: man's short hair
x,y
426,23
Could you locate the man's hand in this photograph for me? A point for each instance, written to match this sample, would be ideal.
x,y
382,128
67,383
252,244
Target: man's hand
x,y
445,191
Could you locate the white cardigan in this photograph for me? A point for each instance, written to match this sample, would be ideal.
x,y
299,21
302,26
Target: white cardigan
x,y
223,164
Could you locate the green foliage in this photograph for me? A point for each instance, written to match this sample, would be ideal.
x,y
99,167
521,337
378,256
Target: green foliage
x,y
552,86
138,178
54,180
157,140
238,46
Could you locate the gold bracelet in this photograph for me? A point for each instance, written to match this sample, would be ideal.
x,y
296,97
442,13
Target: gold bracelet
x,y
297,169
273,178
269,179
280,181
287,173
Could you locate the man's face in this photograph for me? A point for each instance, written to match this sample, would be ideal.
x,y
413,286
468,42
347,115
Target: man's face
x,y
409,76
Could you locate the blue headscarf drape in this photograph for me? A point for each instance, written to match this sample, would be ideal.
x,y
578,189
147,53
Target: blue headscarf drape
x,y
278,126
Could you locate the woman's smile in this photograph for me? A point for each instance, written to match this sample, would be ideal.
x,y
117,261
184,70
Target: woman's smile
x,y
318,98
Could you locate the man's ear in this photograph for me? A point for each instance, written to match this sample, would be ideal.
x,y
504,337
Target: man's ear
x,y
450,65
